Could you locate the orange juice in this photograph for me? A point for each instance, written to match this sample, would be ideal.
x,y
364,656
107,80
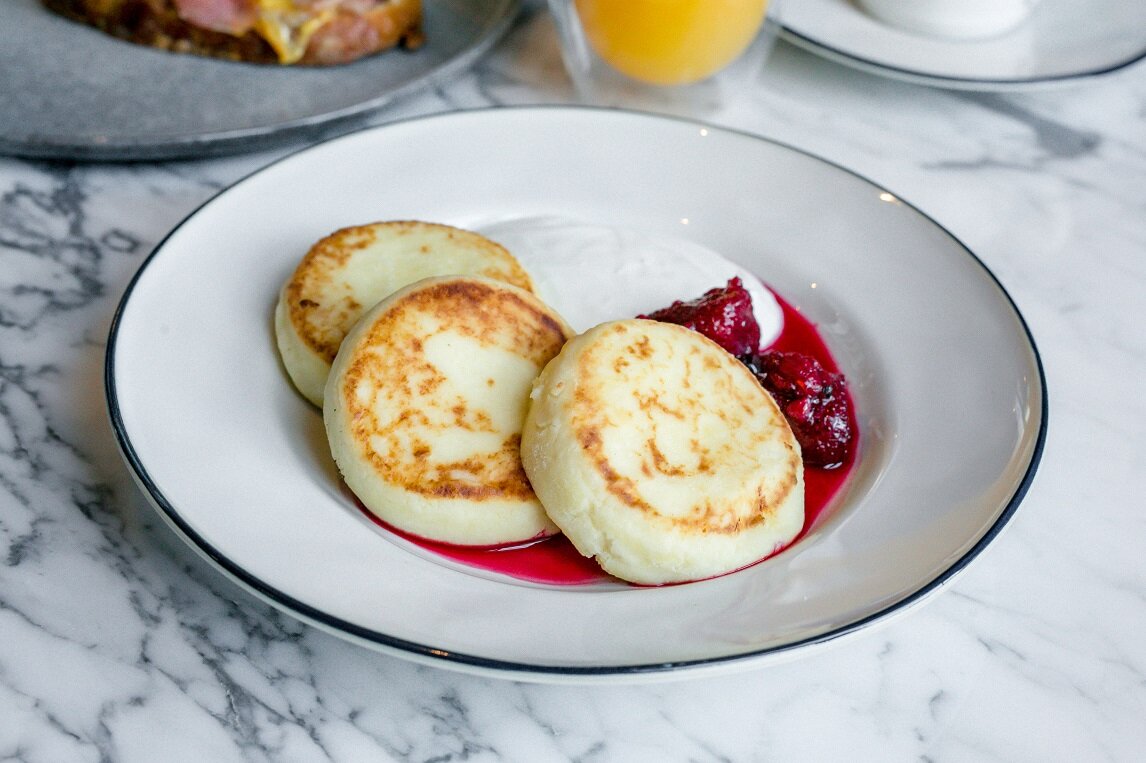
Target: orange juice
x,y
670,42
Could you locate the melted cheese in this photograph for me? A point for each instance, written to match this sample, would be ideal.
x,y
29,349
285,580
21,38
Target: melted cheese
x,y
288,26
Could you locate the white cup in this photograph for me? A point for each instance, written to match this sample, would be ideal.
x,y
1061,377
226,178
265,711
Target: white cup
x,y
957,19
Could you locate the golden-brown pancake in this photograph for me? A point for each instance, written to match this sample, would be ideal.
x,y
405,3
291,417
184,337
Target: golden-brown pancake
x,y
658,453
425,403
352,269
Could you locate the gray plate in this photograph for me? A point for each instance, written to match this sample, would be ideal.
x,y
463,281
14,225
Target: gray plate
x,y
71,92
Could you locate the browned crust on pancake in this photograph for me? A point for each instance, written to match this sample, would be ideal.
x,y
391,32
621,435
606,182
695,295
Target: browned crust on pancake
x,y
390,357
321,325
156,24
588,426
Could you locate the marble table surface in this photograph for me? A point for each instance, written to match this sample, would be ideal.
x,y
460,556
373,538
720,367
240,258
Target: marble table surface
x,y
119,644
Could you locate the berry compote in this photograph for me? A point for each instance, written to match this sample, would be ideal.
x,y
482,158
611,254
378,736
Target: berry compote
x,y
813,399
723,314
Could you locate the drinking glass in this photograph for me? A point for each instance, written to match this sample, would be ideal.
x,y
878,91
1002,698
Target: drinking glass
x,y
680,56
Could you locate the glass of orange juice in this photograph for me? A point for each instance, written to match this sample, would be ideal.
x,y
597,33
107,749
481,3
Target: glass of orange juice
x,y
682,56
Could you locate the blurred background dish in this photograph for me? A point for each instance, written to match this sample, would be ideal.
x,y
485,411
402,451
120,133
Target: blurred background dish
x,y
71,92
952,19
1061,42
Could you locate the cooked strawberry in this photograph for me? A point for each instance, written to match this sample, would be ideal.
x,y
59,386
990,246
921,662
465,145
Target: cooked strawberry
x,y
723,314
814,400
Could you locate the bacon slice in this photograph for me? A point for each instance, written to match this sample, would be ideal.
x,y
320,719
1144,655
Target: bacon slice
x,y
359,26
230,16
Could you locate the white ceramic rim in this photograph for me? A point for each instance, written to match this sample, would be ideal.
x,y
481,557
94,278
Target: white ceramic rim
x,y
541,121
804,33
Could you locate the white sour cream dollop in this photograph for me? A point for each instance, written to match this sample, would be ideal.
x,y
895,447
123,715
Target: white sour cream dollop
x,y
592,273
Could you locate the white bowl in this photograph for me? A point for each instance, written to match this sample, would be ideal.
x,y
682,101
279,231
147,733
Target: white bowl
x,y
947,383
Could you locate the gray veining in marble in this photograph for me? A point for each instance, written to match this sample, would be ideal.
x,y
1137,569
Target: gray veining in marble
x,y
119,644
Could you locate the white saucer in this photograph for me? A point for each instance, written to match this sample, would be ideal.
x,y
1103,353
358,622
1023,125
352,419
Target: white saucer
x,y
1063,42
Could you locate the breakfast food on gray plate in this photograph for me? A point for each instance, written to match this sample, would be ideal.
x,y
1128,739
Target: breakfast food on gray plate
x,y
316,32
352,269
659,454
425,403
